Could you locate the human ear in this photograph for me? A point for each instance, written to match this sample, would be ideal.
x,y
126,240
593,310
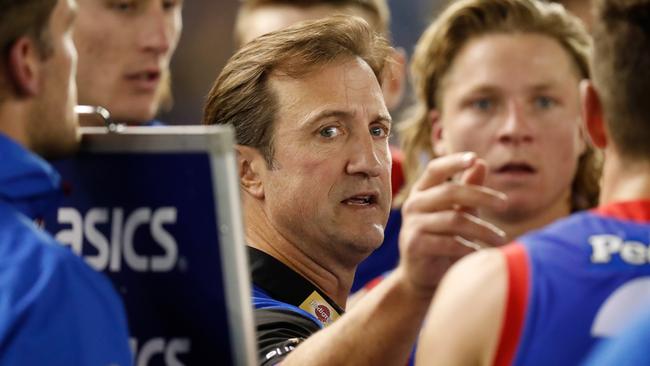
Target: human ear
x,y
23,67
592,114
250,163
436,133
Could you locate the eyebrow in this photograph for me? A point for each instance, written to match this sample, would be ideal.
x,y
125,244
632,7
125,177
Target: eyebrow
x,y
482,89
544,86
491,89
327,113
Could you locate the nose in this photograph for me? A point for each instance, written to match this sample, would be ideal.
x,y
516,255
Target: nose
x,y
516,127
156,30
367,158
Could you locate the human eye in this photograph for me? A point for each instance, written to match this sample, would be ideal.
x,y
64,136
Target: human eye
x,y
544,102
483,104
379,131
171,4
329,132
123,5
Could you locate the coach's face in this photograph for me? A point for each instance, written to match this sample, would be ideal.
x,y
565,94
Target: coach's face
x,y
330,181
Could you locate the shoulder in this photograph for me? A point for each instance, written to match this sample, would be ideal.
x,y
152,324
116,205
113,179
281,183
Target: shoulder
x,y
45,283
469,301
38,268
476,276
265,304
471,271
564,242
566,229
481,276
24,246
280,327
26,249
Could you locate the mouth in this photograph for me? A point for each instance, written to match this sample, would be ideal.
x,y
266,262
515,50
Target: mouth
x,y
361,200
146,80
516,168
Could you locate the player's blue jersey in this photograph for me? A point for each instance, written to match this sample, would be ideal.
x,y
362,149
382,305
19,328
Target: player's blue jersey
x,y
574,283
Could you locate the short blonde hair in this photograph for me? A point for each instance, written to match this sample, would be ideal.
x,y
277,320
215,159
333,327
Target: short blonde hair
x,y
444,38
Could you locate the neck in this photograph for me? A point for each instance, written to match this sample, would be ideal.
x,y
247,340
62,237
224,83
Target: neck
x,y
306,259
520,224
624,179
13,121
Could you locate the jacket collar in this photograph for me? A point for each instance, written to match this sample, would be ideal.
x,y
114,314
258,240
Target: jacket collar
x,y
285,285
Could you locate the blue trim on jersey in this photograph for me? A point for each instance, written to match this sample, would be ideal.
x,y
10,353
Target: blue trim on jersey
x,y
262,300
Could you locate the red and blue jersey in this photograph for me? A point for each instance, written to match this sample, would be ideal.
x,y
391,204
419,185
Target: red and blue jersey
x,y
574,283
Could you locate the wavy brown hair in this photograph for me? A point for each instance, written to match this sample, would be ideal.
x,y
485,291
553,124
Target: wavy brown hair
x,y
437,48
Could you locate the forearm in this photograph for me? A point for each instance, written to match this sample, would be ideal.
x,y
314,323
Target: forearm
x,y
381,330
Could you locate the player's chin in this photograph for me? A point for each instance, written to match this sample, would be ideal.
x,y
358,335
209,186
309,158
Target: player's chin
x,y
369,235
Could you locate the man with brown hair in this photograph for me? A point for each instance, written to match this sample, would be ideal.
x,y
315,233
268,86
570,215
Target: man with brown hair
x,y
54,309
549,297
258,17
312,132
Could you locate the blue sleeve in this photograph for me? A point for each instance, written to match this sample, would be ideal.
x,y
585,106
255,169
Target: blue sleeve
x,y
55,309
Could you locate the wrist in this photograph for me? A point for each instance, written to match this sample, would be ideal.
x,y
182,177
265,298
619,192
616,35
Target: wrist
x,y
422,292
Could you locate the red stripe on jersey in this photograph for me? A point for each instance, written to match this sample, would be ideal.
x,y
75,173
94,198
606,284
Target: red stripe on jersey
x,y
637,211
516,301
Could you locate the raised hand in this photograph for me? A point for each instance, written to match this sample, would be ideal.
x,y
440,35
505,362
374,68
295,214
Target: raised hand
x,y
440,224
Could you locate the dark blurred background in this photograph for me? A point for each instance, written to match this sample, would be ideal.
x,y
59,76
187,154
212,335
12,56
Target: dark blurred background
x,y
207,43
